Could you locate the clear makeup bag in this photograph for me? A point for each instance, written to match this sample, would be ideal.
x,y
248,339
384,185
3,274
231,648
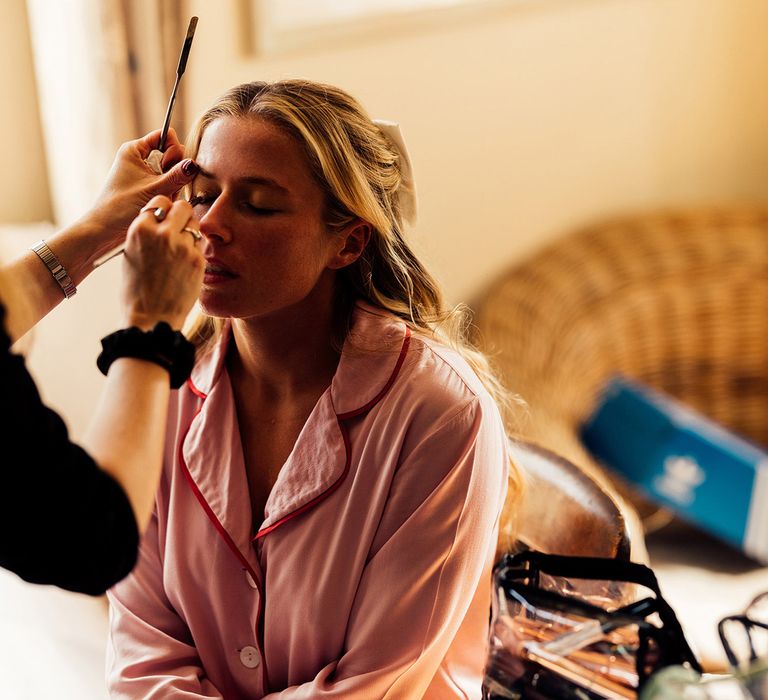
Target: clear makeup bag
x,y
578,628
745,641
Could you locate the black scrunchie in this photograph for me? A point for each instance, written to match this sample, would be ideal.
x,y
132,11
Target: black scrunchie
x,y
162,345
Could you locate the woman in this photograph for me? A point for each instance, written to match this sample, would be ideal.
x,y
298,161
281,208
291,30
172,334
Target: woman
x,y
327,518
72,516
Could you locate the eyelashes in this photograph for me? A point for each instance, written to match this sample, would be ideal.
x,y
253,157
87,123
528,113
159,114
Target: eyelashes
x,y
204,198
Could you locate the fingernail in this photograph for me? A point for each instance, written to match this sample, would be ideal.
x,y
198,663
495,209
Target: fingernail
x,y
189,167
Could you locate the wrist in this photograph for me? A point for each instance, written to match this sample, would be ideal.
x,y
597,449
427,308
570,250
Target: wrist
x,y
165,347
79,245
58,271
107,222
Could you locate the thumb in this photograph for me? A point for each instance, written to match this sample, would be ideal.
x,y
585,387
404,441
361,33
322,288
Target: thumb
x,y
179,175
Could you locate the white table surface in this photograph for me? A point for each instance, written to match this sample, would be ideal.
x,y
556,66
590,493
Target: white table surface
x,y
52,643
703,580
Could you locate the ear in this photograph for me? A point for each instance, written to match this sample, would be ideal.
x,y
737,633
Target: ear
x,y
352,240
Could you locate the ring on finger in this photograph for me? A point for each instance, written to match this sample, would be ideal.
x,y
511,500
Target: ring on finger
x,y
160,213
195,234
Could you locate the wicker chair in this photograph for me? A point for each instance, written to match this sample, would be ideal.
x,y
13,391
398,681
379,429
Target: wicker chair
x,y
678,300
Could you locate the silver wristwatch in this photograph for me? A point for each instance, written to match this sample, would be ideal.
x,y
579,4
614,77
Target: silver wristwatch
x,y
56,269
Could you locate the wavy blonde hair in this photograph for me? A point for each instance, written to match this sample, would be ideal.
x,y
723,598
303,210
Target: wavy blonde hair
x,y
358,169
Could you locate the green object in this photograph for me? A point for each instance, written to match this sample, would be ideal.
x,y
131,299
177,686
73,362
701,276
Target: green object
x,y
669,683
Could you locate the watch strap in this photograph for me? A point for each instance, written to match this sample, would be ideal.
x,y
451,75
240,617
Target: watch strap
x,y
55,268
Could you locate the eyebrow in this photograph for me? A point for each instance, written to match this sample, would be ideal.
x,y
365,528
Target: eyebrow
x,y
251,180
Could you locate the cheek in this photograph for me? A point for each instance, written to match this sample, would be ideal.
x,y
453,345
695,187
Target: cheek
x,y
305,251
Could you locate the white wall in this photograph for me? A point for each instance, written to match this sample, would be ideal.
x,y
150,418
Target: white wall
x,y
527,121
23,177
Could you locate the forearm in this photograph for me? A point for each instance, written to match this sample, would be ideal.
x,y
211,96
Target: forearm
x,y
29,290
127,434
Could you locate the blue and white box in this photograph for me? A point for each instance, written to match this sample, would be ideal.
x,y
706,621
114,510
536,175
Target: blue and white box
x,y
684,461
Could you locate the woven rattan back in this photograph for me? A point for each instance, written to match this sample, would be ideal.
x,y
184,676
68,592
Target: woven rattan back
x,y
677,300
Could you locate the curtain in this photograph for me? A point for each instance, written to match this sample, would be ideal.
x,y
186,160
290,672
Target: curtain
x,y
104,71
103,77
155,32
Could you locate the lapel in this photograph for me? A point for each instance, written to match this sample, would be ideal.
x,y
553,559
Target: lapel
x,y
212,451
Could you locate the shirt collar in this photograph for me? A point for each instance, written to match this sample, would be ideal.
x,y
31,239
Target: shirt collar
x,y
370,359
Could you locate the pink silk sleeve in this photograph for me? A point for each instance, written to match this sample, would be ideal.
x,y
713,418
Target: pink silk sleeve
x,y
157,658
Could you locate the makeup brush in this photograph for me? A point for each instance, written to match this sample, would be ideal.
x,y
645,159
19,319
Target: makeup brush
x,y
155,158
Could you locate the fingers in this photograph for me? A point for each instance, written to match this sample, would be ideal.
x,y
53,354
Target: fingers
x,y
172,140
147,143
173,154
150,141
131,183
169,174
178,215
163,266
179,175
163,216
157,202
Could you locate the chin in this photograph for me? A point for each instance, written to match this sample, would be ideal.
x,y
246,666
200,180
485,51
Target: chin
x,y
216,308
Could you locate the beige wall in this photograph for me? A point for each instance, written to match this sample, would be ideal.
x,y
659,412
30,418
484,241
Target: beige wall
x,y
523,123
527,121
23,177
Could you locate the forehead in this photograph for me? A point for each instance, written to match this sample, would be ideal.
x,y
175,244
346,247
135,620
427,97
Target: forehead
x,y
248,147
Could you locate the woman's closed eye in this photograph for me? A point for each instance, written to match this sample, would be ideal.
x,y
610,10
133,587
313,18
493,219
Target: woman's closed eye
x,y
261,210
204,199
201,198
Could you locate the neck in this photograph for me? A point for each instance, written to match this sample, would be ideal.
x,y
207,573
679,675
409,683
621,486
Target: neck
x,y
287,354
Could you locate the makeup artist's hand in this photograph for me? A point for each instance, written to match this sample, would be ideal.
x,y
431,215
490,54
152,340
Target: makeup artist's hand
x,y
131,183
163,266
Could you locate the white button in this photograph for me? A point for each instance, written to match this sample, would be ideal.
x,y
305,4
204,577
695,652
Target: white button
x,y
249,657
250,580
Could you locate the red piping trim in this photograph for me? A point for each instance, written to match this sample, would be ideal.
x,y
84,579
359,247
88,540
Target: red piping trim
x,y
324,494
212,516
224,534
340,418
195,391
387,386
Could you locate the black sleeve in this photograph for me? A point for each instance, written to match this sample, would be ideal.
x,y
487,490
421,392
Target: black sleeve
x,y
63,520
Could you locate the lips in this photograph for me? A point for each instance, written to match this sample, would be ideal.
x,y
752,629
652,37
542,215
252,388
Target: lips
x,y
216,271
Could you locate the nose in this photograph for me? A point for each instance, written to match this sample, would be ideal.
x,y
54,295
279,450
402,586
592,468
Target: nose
x,y
213,222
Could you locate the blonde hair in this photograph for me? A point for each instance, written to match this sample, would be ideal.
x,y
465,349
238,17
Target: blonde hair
x,y
358,169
